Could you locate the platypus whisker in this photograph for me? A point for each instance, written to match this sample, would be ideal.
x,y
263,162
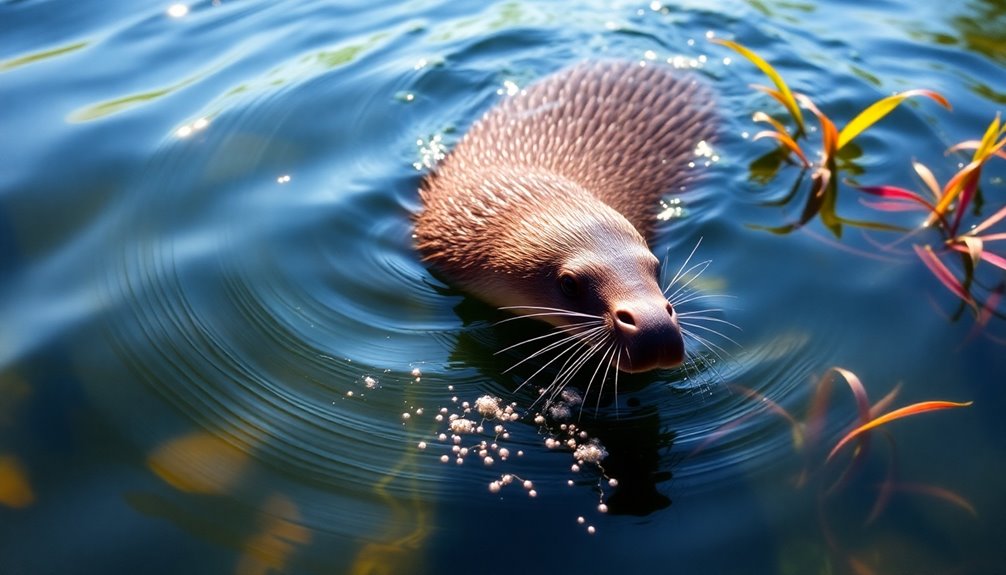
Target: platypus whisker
x,y
677,275
695,295
708,318
691,274
560,330
572,340
710,345
712,331
618,361
572,345
568,370
695,312
563,378
606,357
556,310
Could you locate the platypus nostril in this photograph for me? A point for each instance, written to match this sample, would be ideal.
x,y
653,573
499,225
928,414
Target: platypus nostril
x,y
625,317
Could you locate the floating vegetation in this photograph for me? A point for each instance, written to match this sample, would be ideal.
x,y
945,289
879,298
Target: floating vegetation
x,y
949,208
819,473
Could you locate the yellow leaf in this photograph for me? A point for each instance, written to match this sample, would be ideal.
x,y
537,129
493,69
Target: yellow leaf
x,y
787,96
879,109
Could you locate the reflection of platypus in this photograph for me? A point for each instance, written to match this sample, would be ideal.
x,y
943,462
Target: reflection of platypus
x,y
544,206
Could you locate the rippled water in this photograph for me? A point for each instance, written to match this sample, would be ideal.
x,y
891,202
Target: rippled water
x,y
211,310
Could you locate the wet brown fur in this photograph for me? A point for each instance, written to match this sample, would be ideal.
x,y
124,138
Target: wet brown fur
x,y
581,158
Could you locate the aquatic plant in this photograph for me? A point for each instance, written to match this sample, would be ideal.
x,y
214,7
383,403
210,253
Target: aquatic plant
x,y
821,199
946,213
820,470
947,207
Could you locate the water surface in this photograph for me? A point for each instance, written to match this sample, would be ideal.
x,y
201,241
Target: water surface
x,y
212,311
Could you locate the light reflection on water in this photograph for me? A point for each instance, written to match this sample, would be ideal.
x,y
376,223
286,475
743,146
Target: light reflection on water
x,y
210,254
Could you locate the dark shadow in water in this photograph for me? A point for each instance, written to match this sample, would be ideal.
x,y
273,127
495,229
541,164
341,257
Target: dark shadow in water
x,y
629,430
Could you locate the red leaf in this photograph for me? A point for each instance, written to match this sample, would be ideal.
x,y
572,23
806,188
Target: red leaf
x,y
893,206
896,193
942,273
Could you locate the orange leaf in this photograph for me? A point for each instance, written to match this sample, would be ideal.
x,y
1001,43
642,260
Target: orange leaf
x,y
829,134
786,141
763,117
906,411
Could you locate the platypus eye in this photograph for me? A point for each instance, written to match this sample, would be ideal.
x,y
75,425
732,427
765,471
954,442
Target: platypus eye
x,y
569,285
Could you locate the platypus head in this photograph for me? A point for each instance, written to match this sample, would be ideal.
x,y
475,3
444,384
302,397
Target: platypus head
x,y
579,265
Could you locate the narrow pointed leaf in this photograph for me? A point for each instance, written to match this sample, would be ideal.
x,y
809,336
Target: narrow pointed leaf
x,y
988,139
797,430
829,217
786,141
942,273
885,402
953,189
818,184
991,304
928,179
993,237
858,392
989,222
956,184
763,117
873,113
914,409
893,206
829,134
880,227
896,193
776,94
778,230
887,487
994,259
967,193
939,493
768,70
973,247
965,145
818,410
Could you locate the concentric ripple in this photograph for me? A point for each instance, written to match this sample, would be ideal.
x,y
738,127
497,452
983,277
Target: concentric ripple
x,y
264,285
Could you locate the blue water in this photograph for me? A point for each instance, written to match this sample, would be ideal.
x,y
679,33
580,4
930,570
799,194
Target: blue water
x,y
211,309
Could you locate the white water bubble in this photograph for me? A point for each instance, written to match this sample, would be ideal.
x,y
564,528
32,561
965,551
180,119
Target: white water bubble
x,y
177,10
